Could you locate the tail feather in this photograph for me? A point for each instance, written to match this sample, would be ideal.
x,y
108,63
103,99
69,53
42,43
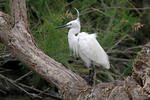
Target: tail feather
x,y
94,35
107,66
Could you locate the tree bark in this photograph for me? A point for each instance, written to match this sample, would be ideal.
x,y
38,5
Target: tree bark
x,y
17,38
18,12
15,35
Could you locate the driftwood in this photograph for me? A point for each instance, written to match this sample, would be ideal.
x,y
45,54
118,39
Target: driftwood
x,y
14,33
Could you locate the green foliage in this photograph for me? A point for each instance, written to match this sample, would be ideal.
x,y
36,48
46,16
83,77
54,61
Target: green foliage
x,y
111,25
52,41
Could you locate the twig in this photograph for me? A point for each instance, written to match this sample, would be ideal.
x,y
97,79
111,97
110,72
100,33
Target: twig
x,y
3,91
121,51
145,8
119,41
70,3
103,4
110,22
52,94
140,46
4,70
20,85
100,9
125,51
44,91
120,59
90,10
13,82
25,75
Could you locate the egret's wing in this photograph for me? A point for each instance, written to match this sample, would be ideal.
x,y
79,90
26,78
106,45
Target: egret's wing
x,y
90,48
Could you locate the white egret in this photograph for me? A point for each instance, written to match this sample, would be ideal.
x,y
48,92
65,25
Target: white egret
x,y
86,46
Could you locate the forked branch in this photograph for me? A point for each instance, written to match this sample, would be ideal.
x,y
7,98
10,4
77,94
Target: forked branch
x,y
15,35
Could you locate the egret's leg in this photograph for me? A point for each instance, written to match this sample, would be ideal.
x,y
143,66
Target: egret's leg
x,y
91,75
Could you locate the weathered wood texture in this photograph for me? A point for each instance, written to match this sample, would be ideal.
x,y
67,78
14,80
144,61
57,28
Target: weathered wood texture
x,y
18,11
17,38
21,43
135,87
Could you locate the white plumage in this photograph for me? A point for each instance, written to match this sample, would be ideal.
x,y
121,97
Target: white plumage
x,y
91,51
85,45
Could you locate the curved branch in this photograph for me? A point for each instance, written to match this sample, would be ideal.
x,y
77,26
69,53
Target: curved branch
x,y
136,87
21,43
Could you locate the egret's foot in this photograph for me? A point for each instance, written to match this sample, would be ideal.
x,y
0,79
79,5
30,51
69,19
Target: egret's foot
x,y
84,89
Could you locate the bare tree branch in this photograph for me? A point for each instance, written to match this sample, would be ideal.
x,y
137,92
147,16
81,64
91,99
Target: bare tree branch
x,y
25,75
18,12
22,89
21,43
100,10
145,8
17,38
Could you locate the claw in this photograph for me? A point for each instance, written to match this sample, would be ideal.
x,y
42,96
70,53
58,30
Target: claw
x,y
84,89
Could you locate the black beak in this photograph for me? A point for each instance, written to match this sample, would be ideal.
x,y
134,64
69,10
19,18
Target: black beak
x,y
62,26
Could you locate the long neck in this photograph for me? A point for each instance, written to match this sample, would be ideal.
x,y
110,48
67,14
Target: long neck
x,y
73,40
72,32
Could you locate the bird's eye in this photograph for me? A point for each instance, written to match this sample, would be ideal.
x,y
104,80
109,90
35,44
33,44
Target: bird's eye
x,y
70,24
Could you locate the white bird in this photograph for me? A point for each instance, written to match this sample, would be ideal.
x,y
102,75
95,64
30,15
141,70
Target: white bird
x,y
86,46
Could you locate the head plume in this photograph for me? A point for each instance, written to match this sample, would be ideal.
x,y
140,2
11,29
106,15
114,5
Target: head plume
x,y
78,14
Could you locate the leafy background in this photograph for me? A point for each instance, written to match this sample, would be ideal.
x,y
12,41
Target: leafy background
x,y
113,21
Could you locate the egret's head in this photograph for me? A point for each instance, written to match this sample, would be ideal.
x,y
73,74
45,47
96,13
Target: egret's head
x,y
72,24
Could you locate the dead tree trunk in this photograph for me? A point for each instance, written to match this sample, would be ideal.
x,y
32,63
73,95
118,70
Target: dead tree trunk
x,y
15,35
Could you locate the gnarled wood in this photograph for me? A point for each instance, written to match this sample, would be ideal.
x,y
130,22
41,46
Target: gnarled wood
x,y
18,11
19,41
22,45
